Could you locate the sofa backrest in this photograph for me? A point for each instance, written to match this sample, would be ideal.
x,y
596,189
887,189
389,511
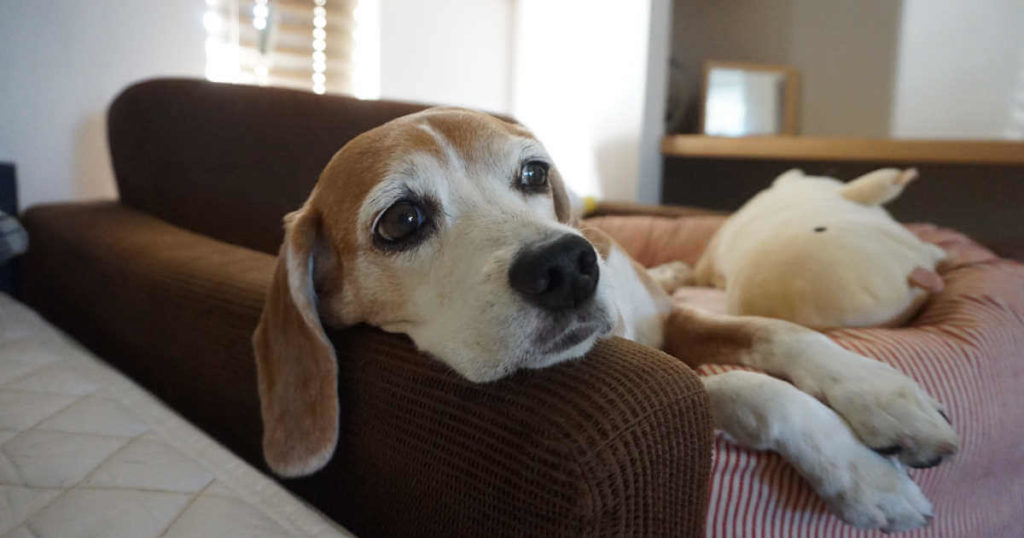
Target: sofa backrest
x,y
229,161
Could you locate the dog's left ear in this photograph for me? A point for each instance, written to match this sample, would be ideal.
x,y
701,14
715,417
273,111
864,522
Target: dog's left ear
x,y
296,363
563,206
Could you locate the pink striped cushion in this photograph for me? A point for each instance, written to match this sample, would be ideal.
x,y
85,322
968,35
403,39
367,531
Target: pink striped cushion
x,y
967,349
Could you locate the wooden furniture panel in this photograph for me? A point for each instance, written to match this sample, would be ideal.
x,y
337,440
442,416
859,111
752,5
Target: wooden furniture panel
x,y
806,148
974,187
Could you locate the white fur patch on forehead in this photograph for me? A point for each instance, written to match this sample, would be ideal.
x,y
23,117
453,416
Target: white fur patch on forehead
x,y
454,159
529,148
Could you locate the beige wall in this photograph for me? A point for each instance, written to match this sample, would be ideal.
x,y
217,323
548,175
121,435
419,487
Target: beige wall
x,y
845,53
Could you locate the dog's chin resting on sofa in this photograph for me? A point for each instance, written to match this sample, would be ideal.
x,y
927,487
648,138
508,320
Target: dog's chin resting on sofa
x,y
820,253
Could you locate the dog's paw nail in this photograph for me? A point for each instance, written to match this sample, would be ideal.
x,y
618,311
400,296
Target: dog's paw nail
x,y
889,450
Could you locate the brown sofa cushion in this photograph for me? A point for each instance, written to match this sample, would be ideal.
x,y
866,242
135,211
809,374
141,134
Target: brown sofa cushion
x,y
228,161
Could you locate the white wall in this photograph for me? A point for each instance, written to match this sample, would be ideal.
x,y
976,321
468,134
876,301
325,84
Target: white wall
x,y
581,85
454,52
578,78
61,63
960,66
573,71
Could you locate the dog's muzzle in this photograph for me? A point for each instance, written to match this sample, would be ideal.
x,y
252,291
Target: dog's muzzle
x,y
556,275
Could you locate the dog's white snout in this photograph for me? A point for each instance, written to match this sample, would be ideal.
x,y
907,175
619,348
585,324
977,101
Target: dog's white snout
x,y
557,274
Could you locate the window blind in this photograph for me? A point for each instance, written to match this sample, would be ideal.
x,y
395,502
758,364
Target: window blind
x,y
304,44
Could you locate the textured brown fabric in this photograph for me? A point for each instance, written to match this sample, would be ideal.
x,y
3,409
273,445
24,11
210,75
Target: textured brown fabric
x,y
616,444
229,161
172,309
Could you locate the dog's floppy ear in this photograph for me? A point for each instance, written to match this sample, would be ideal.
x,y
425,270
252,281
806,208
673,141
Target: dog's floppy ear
x,y
295,361
878,187
563,206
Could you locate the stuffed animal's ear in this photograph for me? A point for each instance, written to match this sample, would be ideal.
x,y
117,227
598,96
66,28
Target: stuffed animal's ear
x,y
878,187
789,175
296,364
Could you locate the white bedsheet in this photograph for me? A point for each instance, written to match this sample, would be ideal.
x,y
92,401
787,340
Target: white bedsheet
x,y
84,452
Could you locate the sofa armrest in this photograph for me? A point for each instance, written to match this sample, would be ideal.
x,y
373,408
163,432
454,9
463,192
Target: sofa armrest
x,y
615,444
172,309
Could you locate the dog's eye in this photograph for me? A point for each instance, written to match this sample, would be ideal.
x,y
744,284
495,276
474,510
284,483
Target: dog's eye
x,y
533,176
399,221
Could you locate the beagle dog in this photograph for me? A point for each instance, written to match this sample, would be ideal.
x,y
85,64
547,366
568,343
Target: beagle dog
x,y
454,228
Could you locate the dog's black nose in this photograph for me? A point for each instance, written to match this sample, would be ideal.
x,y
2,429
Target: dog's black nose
x,y
556,275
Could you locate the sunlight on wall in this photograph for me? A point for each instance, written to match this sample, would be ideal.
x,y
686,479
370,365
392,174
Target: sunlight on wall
x,y
366,53
584,96
222,64
273,37
319,45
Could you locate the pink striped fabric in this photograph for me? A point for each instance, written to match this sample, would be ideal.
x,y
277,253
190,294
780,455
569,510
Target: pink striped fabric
x,y
967,349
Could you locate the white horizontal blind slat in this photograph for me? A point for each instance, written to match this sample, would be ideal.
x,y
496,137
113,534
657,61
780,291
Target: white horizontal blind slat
x,y
272,42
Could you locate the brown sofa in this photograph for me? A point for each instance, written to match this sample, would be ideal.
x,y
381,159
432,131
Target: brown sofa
x,y
167,285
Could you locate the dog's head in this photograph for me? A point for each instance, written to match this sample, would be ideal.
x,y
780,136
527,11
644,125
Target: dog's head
x,y
450,226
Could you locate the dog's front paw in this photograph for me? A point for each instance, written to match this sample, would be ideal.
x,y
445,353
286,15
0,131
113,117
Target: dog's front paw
x,y
891,413
873,492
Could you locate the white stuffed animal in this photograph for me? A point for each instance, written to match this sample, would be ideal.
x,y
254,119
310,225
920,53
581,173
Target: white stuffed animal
x,y
822,253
